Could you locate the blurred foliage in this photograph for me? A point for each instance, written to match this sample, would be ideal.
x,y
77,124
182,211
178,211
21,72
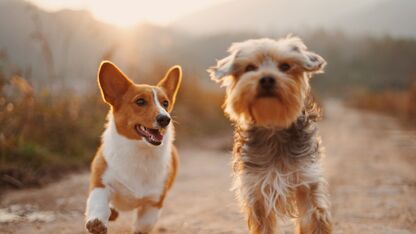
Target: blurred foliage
x,y
377,74
198,109
375,63
43,135
396,103
198,112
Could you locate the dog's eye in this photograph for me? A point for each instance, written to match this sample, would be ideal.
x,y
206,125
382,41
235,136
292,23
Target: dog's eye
x,y
284,67
140,102
250,68
165,104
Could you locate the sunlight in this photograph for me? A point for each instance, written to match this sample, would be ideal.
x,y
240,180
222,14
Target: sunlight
x,y
121,15
130,12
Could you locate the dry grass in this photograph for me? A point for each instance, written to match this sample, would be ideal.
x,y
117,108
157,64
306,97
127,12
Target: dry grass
x,y
400,104
44,135
198,112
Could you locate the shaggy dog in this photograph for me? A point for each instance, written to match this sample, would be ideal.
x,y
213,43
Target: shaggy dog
x,y
276,145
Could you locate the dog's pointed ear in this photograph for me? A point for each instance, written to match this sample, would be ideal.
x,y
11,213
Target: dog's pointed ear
x,y
171,83
309,61
112,81
225,67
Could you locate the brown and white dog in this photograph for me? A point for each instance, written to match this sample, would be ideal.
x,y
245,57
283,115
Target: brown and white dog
x,y
276,145
136,164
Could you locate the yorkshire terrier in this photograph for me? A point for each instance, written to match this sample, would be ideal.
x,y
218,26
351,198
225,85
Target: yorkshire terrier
x,y
277,149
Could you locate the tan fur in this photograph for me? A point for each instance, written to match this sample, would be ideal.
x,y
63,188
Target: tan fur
x,y
126,116
242,103
267,224
318,221
114,214
113,83
122,95
98,167
276,149
170,85
173,167
120,200
125,111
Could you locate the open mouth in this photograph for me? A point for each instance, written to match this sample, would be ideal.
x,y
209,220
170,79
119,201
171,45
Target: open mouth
x,y
152,135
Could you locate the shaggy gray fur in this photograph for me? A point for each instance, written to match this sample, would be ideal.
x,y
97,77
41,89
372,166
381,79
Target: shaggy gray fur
x,y
259,148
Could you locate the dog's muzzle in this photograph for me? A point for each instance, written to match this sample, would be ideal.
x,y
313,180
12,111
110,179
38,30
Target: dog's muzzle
x,y
267,86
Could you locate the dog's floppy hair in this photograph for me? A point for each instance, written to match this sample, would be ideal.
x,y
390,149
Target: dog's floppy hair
x,y
242,102
276,144
292,47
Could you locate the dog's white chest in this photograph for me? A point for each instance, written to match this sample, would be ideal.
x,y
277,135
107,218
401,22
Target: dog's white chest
x,y
138,179
134,168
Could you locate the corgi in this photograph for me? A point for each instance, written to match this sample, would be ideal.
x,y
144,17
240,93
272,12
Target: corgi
x,y
136,164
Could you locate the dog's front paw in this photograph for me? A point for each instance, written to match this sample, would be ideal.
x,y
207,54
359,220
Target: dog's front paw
x,y
95,226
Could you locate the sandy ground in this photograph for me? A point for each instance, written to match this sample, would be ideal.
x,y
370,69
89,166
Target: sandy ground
x,y
370,165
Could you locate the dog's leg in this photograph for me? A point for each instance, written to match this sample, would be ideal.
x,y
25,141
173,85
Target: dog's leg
x,y
145,219
113,214
259,222
98,210
313,206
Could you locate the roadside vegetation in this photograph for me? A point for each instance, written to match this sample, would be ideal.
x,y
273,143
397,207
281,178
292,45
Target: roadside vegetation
x,y
397,103
45,134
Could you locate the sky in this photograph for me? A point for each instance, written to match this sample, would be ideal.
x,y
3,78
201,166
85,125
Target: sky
x,y
131,12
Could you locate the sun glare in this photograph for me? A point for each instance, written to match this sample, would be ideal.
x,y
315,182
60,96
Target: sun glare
x,y
130,12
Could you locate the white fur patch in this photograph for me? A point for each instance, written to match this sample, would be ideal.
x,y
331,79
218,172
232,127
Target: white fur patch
x,y
147,220
159,107
134,167
97,205
276,188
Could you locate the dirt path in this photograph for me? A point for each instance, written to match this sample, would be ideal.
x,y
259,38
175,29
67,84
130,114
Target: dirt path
x,y
370,165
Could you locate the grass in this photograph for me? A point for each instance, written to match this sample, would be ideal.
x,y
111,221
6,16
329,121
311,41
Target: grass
x,y
198,112
44,135
396,103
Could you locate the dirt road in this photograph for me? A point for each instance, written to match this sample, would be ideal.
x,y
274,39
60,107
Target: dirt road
x,y
370,165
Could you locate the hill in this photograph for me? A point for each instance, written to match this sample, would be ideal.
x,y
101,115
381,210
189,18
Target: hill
x,y
370,17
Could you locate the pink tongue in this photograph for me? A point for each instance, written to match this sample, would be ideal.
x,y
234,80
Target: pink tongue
x,y
156,134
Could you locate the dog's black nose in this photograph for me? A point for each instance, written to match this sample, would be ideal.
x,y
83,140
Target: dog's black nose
x,y
267,82
163,120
